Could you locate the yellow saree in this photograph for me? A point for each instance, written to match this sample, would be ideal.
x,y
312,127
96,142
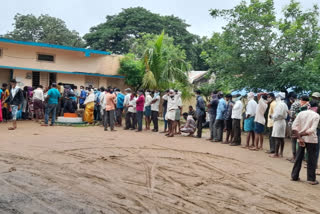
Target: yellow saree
x,y
88,112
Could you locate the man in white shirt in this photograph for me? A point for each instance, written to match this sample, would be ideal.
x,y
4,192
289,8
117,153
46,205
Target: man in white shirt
x,y
147,109
236,121
132,121
304,128
125,105
102,104
249,121
171,112
260,121
155,110
164,110
38,100
279,117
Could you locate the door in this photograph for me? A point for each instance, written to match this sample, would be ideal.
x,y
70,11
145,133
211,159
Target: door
x,y
5,75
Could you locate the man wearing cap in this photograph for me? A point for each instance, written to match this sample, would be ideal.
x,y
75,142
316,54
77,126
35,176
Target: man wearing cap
x,y
316,97
15,101
279,124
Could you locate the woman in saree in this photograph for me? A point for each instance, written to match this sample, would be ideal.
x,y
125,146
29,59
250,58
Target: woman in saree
x,y
5,107
88,112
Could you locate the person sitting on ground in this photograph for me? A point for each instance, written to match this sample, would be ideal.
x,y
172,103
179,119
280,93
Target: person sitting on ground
x,y
260,121
190,126
304,129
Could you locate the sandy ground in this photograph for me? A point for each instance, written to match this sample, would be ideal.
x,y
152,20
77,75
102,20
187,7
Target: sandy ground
x,y
86,170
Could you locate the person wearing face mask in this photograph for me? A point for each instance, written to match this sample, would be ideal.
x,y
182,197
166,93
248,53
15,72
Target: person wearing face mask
x,y
260,121
155,110
171,111
82,97
279,124
272,104
249,121
147,109
140,106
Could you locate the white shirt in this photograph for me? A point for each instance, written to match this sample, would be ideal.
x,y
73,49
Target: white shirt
x,y
148,100
14,91
126,99
133,103
261,109
38,94
155,105
173,101
102,99
165,97
179,102
307,121
251,108
237,110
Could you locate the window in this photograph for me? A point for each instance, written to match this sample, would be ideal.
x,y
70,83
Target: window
x,y
0,52
35,79
46,57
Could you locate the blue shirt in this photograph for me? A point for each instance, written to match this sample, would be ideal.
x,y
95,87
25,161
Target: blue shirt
x,y
54,95
0,93
222,106
120,99
83,96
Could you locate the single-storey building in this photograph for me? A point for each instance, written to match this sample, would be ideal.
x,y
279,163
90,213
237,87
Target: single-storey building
x,y
33,64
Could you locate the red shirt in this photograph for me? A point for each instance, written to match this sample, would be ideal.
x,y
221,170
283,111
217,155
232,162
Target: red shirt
x,y
140,103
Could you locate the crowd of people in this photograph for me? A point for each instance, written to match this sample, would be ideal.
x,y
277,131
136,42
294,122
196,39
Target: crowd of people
x,y
282,115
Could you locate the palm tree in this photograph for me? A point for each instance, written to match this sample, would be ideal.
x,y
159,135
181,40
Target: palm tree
x,y
164,64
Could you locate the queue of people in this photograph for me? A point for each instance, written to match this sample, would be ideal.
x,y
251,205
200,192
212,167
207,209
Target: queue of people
x,y
279,114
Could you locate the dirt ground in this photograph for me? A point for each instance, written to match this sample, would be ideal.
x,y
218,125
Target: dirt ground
x,y
86,170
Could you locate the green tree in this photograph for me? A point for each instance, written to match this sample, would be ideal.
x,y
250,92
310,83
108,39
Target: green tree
x,y
45,29
256,51
119,32
133,70
164,63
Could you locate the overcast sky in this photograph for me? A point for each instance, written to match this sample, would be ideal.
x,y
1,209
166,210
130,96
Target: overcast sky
x,y
80,15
